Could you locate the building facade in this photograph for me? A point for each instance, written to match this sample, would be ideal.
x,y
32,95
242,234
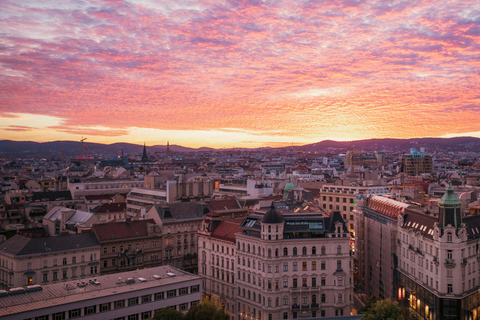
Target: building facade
x,y
375,245
216,263
132,295
293,266
438,262
28,260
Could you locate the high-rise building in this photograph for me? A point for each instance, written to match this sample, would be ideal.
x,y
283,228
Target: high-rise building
x,y
416,163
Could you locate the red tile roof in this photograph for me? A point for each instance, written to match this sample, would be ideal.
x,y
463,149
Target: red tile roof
x,y
226,230
110,207
122,230
219,205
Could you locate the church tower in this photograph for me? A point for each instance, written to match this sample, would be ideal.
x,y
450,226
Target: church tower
x,y
168,146
144,156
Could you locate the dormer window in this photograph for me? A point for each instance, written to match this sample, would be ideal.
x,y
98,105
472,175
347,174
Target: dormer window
x,y
449,237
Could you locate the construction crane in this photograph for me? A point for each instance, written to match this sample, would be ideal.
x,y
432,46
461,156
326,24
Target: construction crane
x,y
81,140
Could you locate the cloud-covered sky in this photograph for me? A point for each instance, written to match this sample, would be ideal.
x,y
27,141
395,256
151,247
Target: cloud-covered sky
x,y
238,73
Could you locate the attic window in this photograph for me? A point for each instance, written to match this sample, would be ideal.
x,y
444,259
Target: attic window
x,y
167,214
449,237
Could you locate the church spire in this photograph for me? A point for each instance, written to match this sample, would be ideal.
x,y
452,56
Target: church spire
x,y
168,146
144,156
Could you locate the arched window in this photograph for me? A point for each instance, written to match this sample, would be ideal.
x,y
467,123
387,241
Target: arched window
x,y
277,229
253,249
276,252
304,251
295,251
449,237
322,250
339,249
314,250
269,253
243,247
323,297
248,248
285,251
314,298
238,247
244,292
269,229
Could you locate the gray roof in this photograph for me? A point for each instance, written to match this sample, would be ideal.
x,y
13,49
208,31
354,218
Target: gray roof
x,y
79,217
19,245
182,210
93,288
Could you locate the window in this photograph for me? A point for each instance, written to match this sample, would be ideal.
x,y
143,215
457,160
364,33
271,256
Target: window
x,y
449,288
304,282
285,266
90,310
119,304
314,265
285,283
105,307
323,298
133,301
304,266
285,251
64,262
159,296
322,250
322,265
295,266
295,251
55,275
294,282
146,298
171,293
304,251
314,282
339,264
74,313
314,250
322,281
339,249
449,237
449,254
45,277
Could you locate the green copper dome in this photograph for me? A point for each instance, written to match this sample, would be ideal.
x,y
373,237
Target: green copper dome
x,y
450,198
289,186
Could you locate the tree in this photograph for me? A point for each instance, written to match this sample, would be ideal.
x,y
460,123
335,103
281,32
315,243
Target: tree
x,y
383,310
207,310
168,314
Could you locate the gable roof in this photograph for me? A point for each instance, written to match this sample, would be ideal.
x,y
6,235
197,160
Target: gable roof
x,y
122,229
110,207
181,210
226,230
19,245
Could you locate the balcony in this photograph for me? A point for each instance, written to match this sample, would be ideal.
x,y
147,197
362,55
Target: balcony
x,y
314,306
295,306
464,261
450,263
305,307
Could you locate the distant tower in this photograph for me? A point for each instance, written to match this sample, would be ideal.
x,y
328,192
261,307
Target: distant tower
x,y
144,156
168,146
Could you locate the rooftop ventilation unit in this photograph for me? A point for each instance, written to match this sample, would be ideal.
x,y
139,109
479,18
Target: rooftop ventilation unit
x,y
130,280
142,279
17,290
170,274
156,277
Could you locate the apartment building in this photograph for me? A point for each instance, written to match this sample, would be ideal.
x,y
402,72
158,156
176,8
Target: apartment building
x,y
438,261
128,245
343,198
416,163
293,266
216,263
29,260
375,245
132,295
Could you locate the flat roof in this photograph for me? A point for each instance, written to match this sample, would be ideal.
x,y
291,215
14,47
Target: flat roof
x,y
90,288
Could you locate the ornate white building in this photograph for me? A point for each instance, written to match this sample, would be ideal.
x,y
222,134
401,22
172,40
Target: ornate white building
x,y
293,265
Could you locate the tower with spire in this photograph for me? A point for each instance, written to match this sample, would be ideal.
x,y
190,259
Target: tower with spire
x,y
144,155
168,146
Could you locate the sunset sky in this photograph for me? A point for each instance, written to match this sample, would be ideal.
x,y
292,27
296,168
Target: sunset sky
x,y
238,73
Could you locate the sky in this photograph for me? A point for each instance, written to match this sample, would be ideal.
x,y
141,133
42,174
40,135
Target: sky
x,y
233,73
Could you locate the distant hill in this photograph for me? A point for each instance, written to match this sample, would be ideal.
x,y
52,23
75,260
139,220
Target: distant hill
x,y
29,149
49,150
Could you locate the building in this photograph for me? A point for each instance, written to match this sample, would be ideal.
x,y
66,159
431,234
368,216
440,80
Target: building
x,y
438,261
375,245
80,188
129,295
179,223
60,220
293,266
216,263
128,245
416,163
26,260
343,198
